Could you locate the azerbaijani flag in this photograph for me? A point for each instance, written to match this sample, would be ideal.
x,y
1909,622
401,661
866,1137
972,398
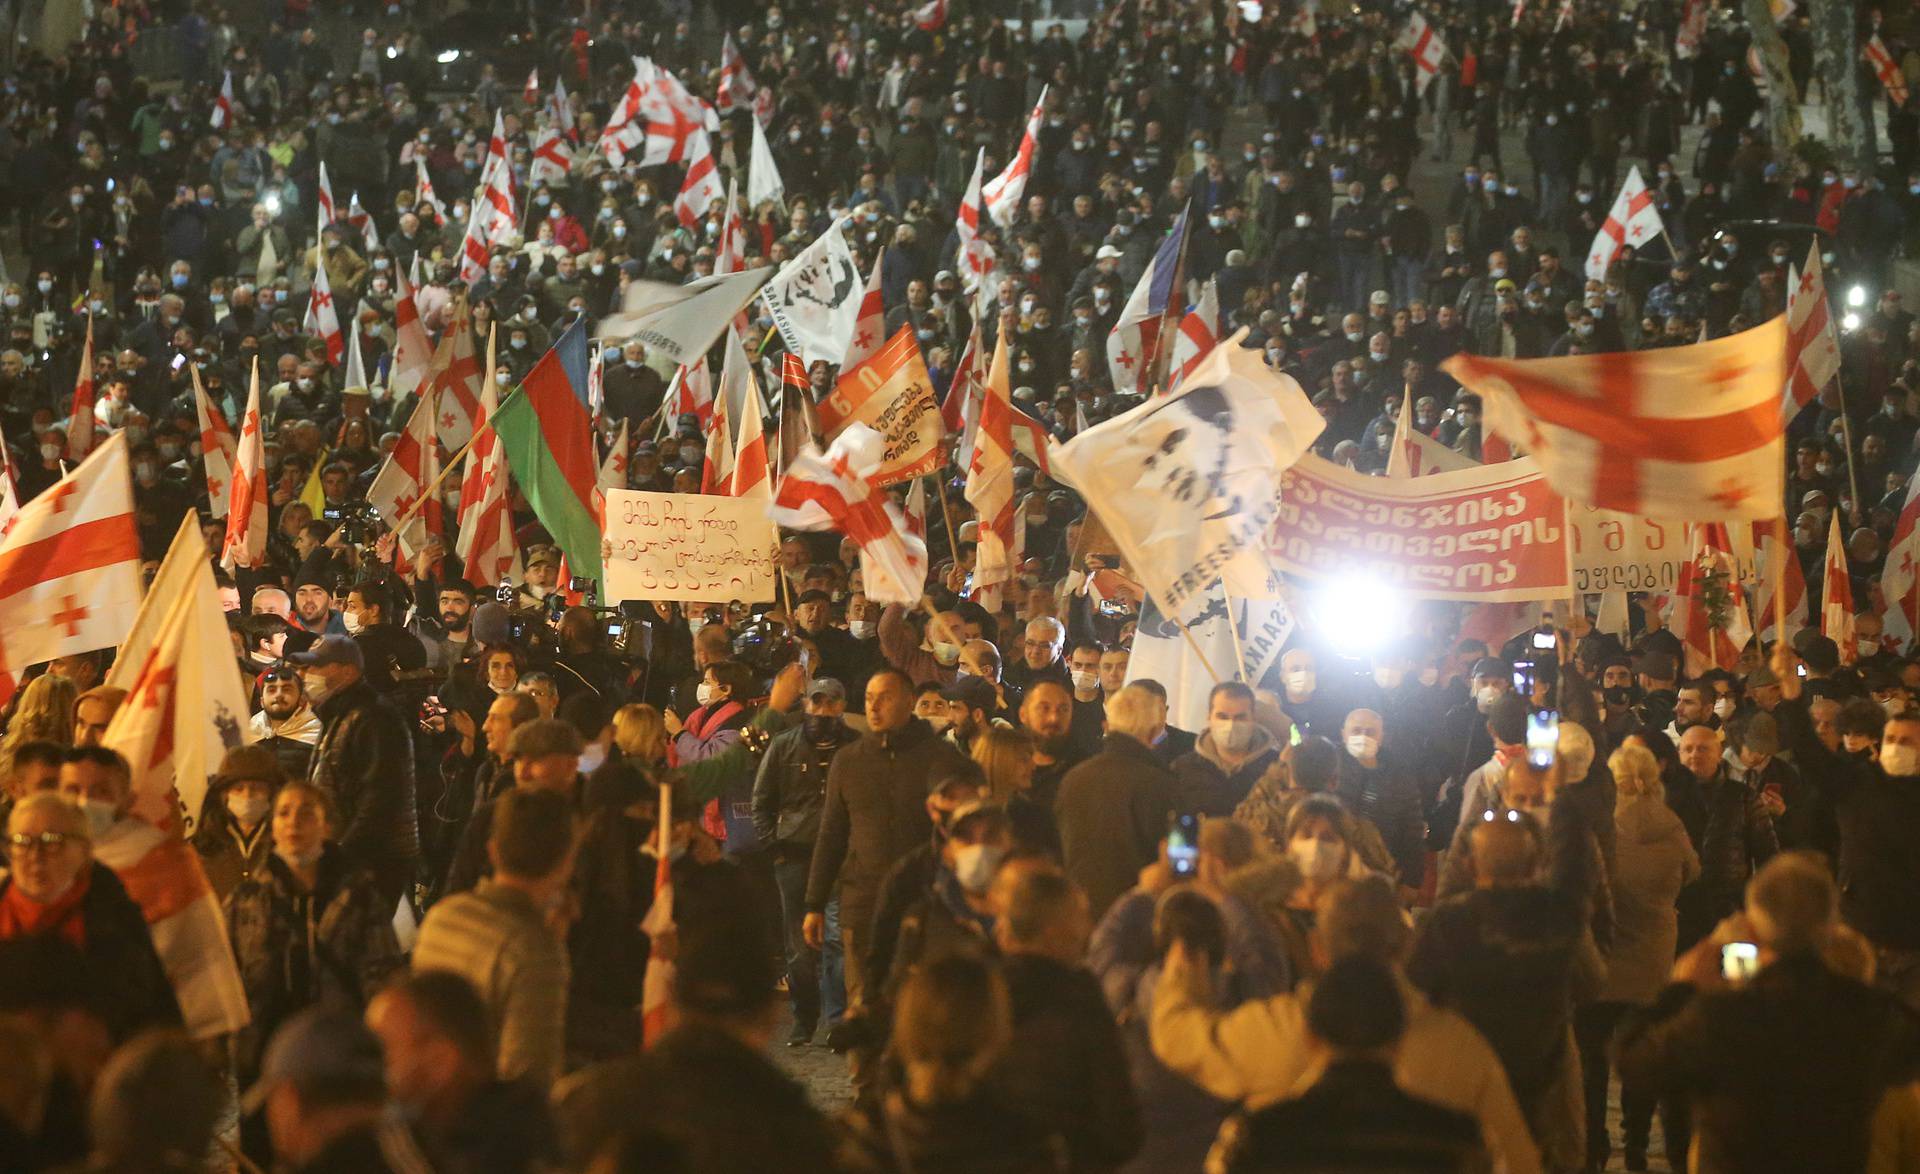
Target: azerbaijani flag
x,y
546,431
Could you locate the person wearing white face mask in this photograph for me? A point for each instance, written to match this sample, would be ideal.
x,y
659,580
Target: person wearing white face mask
x,y
363,762
1302,699
387,648
289,920
1233,755
934,656
1464,741
1377,788
233,838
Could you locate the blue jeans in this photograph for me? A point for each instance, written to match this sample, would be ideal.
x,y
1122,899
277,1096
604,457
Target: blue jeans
x,y
815,986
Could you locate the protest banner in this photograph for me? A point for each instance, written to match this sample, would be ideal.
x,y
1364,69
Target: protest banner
x,y
1613,551
1486,535
891,393
687,546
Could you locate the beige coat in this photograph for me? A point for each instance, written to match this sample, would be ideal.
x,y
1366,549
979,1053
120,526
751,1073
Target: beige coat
x,y
1653,859
1258,1053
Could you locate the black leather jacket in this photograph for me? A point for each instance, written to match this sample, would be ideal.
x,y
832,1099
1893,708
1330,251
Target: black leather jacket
x,y
791,787
364,762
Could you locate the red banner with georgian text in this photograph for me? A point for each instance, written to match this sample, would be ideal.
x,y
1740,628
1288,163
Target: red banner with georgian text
x,y
1490,534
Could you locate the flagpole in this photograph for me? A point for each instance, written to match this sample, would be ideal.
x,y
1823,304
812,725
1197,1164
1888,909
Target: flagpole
x,y
1846,435
946,513
1233,629
453,462
1777,570
1195,645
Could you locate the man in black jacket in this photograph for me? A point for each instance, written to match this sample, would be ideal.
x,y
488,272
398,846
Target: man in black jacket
x,y
874,813
1729,825
1066,1063
364,762
788,794
1785,1069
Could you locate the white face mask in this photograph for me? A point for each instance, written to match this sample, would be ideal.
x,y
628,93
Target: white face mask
x,y
1232,734
1723,708
1362,746
1899,761
592,757
100,817
318,690
248,810
351,620
1388,678
299,861
946,653
1317,860
860,629
975,864
1300,681
1485,696
706,693
1086,682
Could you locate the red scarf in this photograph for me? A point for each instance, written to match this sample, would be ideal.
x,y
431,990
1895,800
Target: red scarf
x,y
23,917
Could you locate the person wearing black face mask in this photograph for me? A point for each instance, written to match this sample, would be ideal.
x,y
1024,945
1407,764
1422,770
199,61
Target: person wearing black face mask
x,y
788,794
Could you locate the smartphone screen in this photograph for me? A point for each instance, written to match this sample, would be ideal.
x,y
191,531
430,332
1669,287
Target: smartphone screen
x,y
1183,844
1739,961
1543,738
1545,639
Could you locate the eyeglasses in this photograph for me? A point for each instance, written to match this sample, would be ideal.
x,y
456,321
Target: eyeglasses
x,y
46,841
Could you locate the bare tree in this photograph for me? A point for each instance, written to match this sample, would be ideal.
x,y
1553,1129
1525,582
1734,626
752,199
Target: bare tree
x,y
1783,98
1836,60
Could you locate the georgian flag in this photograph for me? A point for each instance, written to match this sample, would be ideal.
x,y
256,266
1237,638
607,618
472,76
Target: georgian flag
x,y
1836,593
1813,349
1633,220
552,157
1680,432
246,540
976,255
217,446
989,485
834,491
1900,580
1199,333
1424,45
870,326
701,187
223,105
1002,194
402,482
486,544
1134,341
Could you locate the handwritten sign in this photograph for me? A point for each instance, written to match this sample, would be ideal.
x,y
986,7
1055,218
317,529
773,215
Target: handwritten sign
x,y
690,547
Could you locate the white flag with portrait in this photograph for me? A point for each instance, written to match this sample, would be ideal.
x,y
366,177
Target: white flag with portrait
x,y
815,298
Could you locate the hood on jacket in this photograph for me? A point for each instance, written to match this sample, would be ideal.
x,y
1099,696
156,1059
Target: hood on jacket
x,y
1645,820
1263,741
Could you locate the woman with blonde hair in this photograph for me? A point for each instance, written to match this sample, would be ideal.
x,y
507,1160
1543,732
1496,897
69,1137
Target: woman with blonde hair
x,y
952,1022
45,713
1653,860
1005,756
640,733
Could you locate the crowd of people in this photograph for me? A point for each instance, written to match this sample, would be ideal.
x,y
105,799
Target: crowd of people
x,y
1423,909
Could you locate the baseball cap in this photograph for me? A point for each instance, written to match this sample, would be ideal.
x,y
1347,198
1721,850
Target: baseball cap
x,y
1381,297
1104,252
826,687
1504,285
1761,678
330,649
974,692
319,1048
1491,666
545,556
814,596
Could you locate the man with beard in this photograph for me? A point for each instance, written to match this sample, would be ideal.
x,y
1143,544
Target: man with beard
x,y
1047,712
313,609
286,724
450,642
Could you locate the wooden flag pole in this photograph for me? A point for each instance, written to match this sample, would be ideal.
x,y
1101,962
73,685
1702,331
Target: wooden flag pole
x,y
1195,645
453,462
1777,571
1233,629
946,514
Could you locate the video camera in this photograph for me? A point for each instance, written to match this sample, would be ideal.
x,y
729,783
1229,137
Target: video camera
x,y
356,520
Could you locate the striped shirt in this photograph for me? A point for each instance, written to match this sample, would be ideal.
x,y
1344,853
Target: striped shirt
x,y
497,939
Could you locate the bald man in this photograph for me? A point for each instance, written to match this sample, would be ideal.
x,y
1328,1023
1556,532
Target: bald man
x,y
1514,956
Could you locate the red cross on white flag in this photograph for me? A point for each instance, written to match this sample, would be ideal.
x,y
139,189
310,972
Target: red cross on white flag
x,y
1680,432
1633,220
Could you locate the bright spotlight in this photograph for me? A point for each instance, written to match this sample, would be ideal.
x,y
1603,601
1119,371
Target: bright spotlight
x,y
273,203
1857,296
1850,321
448,56
1357,614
